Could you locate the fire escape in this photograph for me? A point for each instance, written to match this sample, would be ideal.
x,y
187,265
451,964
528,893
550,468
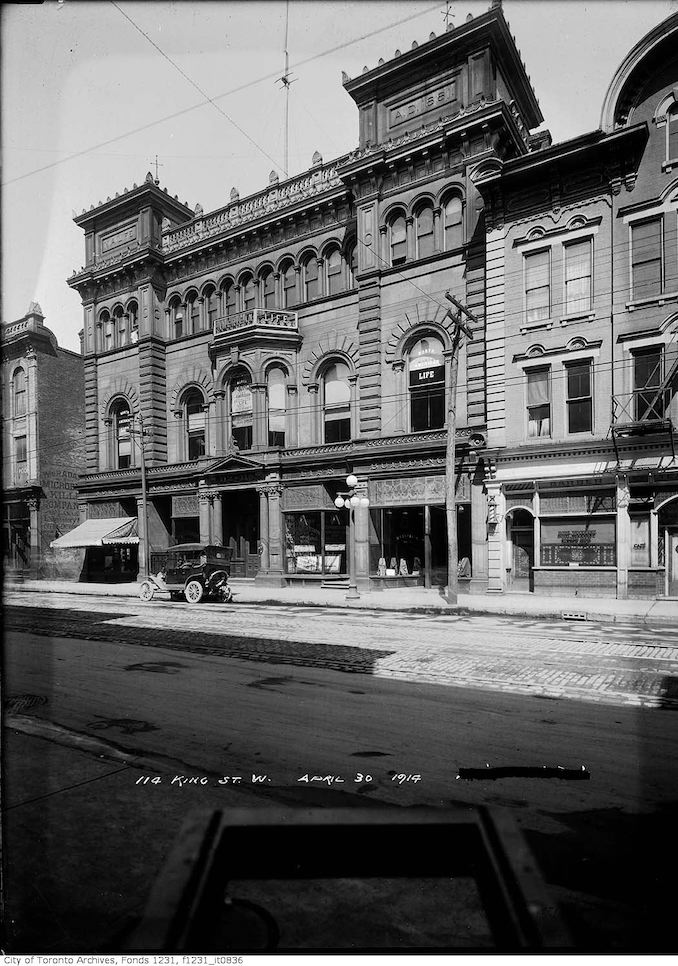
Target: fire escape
x,y
647,410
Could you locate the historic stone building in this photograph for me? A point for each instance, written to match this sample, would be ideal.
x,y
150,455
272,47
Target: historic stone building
x,y
43,418
582,346
301,333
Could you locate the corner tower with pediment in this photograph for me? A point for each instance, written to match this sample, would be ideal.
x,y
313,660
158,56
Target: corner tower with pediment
x,y
300,333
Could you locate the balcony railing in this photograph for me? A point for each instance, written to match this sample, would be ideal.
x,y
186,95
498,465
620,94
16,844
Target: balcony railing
x,y
257,318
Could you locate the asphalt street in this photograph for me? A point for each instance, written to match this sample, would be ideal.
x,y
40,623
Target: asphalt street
x,y
326,707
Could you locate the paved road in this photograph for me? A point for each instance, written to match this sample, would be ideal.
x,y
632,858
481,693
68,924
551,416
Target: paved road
x,y
284,706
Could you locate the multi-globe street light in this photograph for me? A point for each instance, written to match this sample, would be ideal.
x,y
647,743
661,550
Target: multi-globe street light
x,y
351,499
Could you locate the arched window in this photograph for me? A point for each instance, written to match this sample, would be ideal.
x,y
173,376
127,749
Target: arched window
x,y
336,403
176,314
194,416
118,327
267,288
310,270
426,377
289,277
452,215
193,310
672,133
425,232
240,399
335,279
121,421
228,301
133,320
398,239
106,330
249,294
212,305
19,390
277,406
352,265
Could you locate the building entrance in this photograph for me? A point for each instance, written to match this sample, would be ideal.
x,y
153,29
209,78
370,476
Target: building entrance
x,y
240,510
521,548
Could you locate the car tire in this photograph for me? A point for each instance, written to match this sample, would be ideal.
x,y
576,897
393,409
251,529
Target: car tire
x,y
226,595
146,591
194,591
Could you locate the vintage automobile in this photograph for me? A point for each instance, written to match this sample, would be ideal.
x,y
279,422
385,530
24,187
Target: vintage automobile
x,y
197,571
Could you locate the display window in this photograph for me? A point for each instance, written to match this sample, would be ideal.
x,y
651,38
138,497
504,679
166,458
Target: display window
x,y
316,542
589,541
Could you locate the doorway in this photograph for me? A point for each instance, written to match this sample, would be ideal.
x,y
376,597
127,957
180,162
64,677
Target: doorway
x,y
521,552
672,563
241,530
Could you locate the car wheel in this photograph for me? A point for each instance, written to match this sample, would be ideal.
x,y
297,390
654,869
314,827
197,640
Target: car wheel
x,y
226,595
193,591
146,591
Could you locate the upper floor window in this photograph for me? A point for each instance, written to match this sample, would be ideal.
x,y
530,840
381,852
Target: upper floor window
x,y
398,240
193,310
646,258
578,271
452,215
21,458
539,402
19,389
212,304
133,319
579,397
241,410
426,370
277,394
267,285
106,330
176,314
228,298
122,423
672,133
310,270
334,272
336,403
352,265
194,411
289,277
249,294
648,395
537,286
118,327
425,232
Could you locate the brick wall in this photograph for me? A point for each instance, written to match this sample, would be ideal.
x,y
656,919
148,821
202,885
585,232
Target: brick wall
x,y
576,582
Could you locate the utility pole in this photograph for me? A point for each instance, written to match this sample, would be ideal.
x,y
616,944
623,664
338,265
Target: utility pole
x,y
460,329
143,535
287,81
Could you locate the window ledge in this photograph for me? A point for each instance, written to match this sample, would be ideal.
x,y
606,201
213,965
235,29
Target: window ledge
x,y
670,164
533,326
578,317
654,300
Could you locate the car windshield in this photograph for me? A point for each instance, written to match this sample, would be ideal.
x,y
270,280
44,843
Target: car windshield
x,y
183,560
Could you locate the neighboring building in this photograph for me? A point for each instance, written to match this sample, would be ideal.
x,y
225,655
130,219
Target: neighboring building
x,y
43,417
582,335
291,337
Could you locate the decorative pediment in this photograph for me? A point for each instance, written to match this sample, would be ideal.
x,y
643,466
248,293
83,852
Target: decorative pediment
x,y
234,463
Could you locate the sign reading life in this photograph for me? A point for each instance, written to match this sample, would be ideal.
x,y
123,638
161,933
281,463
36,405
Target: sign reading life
x,y
426,371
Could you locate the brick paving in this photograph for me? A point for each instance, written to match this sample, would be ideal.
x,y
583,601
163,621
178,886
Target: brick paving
x,y
491,653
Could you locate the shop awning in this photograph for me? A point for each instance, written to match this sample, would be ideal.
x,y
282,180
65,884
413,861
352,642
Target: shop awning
x,y
97,533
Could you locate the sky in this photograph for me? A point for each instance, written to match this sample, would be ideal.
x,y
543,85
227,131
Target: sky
x,y
92,92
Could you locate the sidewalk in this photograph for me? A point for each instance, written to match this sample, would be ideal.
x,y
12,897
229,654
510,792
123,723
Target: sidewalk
x,y
416,599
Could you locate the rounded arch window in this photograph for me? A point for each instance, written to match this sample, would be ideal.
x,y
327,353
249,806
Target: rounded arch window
x,y
176,315
241,408
228,298
133,319
352,264
19,392
426,379
398,239
249,293
453,226
310,273
336,402
335,281
121,421
289,279
425,231
212,304
277,405
195,421
193,309
118,326
267,284
672,133
106,330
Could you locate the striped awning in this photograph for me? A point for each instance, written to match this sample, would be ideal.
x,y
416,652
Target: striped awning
x,y
99,533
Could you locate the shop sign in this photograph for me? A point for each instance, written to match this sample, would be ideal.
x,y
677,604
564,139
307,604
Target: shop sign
x,y
241,399
574,543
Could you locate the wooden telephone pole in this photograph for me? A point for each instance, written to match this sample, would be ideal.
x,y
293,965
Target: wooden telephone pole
x,y
460,329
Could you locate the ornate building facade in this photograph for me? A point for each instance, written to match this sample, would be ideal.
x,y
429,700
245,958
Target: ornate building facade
x,y
301,333
42,446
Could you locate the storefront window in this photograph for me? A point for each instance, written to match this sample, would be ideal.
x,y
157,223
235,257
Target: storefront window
x,y
588,541
400,533
316,542
426,367
640,540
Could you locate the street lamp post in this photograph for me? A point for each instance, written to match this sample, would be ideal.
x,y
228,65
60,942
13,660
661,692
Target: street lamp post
x,y
352,498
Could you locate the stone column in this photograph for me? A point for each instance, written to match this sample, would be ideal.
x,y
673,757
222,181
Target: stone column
x,y
478,536
623,536
259,421
292,420
219,414
322,286
361,517
496,537
402,396
204,513
36,548
275,534
144,560
316,416
411,241
353,407
217,529
263,531
437,231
